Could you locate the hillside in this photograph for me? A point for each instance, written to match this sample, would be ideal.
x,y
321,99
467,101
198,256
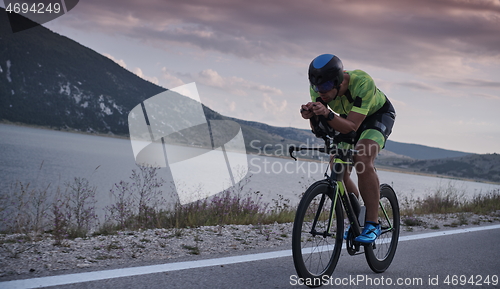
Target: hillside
x,y
393,152
47,79
484,167
421,152
50,80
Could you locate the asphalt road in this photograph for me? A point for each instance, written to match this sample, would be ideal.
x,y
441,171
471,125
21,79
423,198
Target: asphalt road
x,y
421,261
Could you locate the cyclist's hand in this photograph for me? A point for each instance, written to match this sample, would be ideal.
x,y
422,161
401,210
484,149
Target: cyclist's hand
x,y
319,109
306,112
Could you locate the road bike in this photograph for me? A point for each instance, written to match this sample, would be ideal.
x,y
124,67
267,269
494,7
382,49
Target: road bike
x,y
318,229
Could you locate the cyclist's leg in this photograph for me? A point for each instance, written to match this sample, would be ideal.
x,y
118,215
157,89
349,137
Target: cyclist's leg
x,y
368,181
349,183
372,138
350,186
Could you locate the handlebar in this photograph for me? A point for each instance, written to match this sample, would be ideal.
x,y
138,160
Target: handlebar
x,y
341,153
331,138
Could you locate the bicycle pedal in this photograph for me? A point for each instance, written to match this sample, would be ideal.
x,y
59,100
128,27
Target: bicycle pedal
x,y
374,246
354,251
353,248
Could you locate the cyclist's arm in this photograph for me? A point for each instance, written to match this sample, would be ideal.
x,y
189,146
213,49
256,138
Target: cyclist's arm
x,y
307,113
342,125
364,90
346,125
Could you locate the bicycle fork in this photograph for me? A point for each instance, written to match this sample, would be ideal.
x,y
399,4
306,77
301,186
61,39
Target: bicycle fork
x,y
338,194
327,232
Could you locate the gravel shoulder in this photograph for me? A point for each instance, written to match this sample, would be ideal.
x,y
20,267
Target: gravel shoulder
x,y
22,256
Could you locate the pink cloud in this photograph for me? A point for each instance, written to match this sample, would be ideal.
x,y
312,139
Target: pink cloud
x,y
403,34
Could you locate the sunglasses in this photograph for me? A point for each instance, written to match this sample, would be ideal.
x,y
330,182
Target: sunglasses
x,y
324,87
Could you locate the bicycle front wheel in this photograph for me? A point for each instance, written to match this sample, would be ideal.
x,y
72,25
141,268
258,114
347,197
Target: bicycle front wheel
x,y
317,234
380,253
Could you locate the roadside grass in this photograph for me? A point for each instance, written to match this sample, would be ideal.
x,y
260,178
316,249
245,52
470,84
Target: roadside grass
x,y
449,202
69,212
227,208
449,199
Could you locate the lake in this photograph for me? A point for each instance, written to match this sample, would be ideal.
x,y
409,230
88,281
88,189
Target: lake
x,y
44,158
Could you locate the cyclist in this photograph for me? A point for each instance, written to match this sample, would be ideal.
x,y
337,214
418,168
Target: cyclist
x,y
361,110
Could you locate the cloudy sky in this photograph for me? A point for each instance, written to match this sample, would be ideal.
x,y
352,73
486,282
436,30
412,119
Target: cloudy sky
x,y
437,60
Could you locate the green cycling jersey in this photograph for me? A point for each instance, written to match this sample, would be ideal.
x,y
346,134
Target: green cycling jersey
x,y
362,97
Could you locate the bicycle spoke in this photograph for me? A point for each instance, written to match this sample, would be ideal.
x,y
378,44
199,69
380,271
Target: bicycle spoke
x,y
380,254
316,242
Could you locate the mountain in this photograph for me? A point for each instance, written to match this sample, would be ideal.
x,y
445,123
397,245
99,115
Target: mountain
x,y
49,80
396,150
421,152
485,167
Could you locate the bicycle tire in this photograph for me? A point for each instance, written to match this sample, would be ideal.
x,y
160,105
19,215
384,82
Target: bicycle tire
x,y
380,253
317,255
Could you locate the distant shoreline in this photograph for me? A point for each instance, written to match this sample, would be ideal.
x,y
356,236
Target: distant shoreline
x,y
6,122
409,172
379,167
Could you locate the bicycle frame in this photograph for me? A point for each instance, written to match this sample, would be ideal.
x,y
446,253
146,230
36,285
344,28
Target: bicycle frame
x,y
336,179
318,233
340,159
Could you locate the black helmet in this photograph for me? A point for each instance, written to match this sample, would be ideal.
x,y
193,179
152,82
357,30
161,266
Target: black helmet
x,y
326,72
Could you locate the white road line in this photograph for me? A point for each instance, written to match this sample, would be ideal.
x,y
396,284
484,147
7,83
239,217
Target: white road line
x,y
134,271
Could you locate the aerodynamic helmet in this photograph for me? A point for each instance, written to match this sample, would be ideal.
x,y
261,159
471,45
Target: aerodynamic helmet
x,y
326,72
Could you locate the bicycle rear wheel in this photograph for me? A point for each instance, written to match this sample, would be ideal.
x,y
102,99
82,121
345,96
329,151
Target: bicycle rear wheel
x,y
380,253
315,249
